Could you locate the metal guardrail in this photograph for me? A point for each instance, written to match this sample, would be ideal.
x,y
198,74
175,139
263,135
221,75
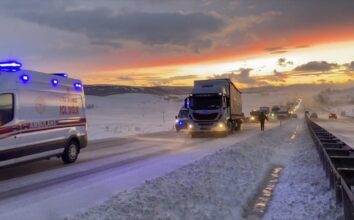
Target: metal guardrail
x,y
338,162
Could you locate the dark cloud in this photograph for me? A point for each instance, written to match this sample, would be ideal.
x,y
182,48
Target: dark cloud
x,y
322,81
110,44
276,50
273,49
183,77
155,80
276,77
156,22
284,63
105,27
241,76
302,46
316,66
125,78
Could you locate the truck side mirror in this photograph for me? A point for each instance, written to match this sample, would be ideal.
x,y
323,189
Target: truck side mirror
x,y
186,103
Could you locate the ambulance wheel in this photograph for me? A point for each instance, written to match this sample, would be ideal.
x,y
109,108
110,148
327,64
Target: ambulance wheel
x,y
71,152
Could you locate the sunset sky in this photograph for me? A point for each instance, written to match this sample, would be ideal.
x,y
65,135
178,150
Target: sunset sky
x,y
174,42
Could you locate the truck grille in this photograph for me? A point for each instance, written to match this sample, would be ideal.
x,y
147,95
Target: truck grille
x,y
210,117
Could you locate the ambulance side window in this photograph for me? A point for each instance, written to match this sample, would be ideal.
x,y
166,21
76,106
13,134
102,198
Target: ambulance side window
x,y
6,108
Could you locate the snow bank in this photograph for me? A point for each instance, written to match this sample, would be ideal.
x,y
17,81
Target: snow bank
x,y
303,191
218,186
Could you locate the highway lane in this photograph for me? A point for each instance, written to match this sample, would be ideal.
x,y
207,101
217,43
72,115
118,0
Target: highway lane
x,y
104,155
104,169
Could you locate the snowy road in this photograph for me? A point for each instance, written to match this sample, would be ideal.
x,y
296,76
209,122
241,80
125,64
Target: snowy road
x,y
42,190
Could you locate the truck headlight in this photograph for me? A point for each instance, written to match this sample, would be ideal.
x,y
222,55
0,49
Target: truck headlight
x,y
177,120
221,125
190,126
252,118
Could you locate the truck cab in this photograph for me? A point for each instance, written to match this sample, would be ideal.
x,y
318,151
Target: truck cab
x,y
254,114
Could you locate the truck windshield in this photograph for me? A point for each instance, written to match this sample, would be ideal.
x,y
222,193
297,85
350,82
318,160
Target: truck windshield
x,y
6,108
206,102
183,114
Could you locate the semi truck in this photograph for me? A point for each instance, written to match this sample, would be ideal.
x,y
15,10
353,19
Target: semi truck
x,y
215,107
41,115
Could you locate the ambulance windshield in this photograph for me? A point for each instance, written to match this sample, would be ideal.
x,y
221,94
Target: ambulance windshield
x,y
6,109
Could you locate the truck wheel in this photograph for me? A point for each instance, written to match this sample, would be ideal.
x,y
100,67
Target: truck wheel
x,y
71,152
238,126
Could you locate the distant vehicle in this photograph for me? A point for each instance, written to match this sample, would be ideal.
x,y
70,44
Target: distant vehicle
x,y
314,115
41,116
274,112
254,116
215,107
182,119
290,105
332,116
264,109
283,113
275,109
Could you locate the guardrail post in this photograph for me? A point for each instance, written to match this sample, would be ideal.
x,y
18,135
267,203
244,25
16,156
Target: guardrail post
x,y
339,192
347,206
332,178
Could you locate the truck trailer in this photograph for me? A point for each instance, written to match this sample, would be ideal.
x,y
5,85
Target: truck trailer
x,y
215,107
41,115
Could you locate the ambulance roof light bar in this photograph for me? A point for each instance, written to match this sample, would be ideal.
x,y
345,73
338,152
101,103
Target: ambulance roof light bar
x,y
10,66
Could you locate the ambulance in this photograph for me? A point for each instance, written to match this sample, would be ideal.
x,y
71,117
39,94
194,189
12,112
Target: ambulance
x,y
41,115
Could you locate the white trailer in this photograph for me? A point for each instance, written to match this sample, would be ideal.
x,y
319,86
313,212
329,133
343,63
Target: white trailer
x,y
41,115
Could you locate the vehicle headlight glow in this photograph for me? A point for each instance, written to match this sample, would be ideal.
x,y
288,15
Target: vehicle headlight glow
x,y
177,120
253,118
221,125
190,126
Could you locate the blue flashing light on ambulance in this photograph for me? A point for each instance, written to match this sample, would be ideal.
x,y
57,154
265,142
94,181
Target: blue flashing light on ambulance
x,y
41,115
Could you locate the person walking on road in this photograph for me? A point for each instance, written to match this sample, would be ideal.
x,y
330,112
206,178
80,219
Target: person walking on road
x,y
262,117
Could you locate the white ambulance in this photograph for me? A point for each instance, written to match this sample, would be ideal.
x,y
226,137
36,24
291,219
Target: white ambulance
x,y
41,115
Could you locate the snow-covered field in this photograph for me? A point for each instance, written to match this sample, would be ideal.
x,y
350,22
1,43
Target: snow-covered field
x,y
130,114
221,186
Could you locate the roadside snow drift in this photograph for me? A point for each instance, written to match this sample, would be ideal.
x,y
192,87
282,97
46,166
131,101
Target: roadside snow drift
x,y
221,186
